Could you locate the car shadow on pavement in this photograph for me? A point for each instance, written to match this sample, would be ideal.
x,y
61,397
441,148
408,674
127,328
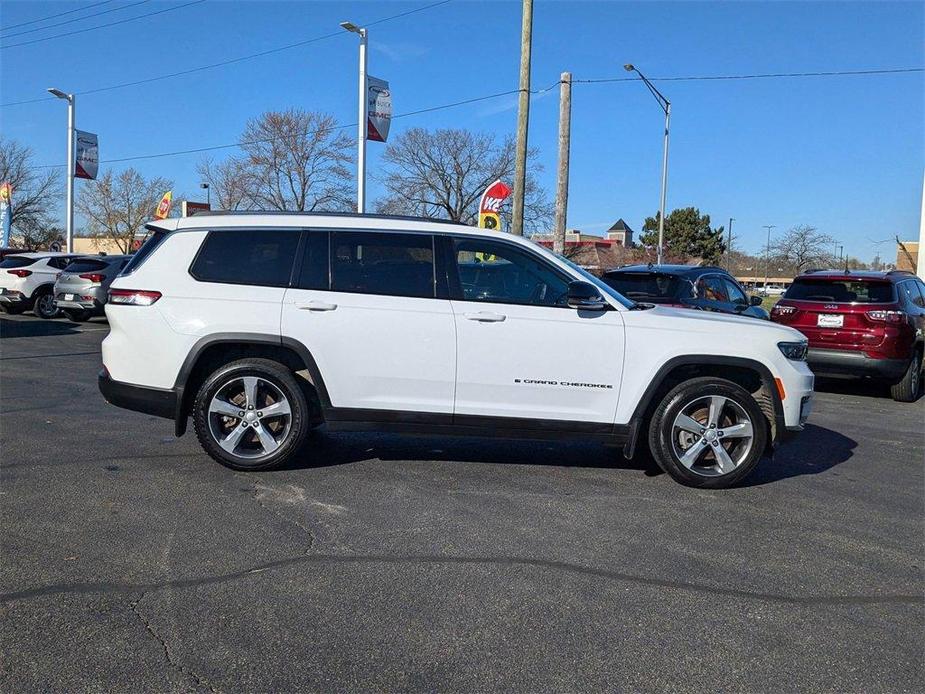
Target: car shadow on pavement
x,y
816,449
36,328
340,448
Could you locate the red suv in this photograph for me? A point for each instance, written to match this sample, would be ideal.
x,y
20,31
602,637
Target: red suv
x,y
860,324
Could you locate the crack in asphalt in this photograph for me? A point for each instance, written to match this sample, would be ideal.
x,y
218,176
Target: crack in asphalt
x,y
256,496
168,654
559,566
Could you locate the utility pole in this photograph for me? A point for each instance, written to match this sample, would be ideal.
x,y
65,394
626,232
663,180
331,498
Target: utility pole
x,y
565,134
729,245
767,257
361,117
69,169
523,121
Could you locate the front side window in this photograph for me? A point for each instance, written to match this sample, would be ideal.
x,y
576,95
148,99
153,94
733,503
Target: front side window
x,y
736,295
378,263
247,256
711,288
501,273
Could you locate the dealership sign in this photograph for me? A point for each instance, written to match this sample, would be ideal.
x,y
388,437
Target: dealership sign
x,y
490,205
87,155
378,109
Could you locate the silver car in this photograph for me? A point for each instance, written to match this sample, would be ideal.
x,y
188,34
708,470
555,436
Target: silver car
x,y
83,286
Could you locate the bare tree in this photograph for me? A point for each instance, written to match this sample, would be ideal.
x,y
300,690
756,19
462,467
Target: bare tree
x,y
228,183
297,160
35,192
117,207
803,247
443,174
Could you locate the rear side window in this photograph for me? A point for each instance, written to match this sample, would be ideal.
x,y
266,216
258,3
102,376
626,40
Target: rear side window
x,y
86,265
16,261
644,285
147,248
374,263
841,291
247,256
314,271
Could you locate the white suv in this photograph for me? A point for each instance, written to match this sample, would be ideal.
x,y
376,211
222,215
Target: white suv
x,y
263,326
27,281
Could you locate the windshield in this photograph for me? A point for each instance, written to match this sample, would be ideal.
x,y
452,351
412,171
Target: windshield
x,y
843,290
598,282
645,286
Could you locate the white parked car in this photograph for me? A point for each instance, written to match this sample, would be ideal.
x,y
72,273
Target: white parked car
x,y
262,326
27,282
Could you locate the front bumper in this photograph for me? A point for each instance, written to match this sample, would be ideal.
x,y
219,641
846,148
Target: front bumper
x,y
836,362
155,401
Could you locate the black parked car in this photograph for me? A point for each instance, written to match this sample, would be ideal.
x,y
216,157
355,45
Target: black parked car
x,y
685,286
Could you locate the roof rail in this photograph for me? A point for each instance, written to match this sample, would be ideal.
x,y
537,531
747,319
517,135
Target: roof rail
x,y
899,272
357,215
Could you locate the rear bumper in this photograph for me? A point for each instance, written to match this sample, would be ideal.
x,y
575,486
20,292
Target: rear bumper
x,y
13,298
836,362
86,298
154,401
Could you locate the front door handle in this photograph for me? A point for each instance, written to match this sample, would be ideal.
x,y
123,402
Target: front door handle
x,y
485,317
315,306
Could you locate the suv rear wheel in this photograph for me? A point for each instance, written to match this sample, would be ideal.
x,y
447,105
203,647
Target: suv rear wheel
x,y
907,390
708,432
251,414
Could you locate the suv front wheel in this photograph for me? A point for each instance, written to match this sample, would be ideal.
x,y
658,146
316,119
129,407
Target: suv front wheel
x,y
251,414
708,432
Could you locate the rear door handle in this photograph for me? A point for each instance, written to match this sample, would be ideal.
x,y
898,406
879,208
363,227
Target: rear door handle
x,y
485,317
315,306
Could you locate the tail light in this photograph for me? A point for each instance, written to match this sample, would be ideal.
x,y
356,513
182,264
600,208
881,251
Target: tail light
x,y
887,316
93,277
133,297
779,310
20,273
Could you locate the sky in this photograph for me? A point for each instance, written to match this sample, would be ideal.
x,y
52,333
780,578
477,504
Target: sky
x,y
845,154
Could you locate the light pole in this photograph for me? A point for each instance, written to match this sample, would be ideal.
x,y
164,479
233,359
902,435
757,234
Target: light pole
x,y
666,107
361,125
208,193
69,167
729,245
767,257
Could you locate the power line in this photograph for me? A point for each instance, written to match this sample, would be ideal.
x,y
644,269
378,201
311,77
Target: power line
x,y
102,26
230,61
769,75
75,19
54,16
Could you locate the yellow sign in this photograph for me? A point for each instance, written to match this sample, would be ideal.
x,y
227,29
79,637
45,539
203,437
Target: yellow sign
x,y
163,207
489,220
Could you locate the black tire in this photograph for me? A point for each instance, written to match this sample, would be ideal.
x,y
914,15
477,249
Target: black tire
x,y
44,306
77,315
909,388
691,397
246,455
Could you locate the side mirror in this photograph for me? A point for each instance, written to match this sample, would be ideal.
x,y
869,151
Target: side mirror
x,y
754,300
585,297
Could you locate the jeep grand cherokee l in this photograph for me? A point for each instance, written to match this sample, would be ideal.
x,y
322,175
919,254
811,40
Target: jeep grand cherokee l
x,y
262,326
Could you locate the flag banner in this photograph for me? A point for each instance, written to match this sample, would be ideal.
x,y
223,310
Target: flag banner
x,y
163,207
6,213
378,109
490,205
87,161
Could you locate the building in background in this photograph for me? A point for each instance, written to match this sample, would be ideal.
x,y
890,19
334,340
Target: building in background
x,y
621,234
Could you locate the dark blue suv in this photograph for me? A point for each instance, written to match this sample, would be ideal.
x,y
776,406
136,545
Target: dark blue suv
x,y
686,286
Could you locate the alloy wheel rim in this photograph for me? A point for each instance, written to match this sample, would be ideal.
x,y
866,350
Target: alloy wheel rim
x,y
712,435
47,304
249,417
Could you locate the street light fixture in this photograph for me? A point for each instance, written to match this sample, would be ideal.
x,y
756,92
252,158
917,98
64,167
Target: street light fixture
x,y
208,193
69,166
361,120
666,107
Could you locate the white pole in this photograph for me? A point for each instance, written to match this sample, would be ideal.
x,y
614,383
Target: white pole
x,y
361,129
920,270
69,173
661,220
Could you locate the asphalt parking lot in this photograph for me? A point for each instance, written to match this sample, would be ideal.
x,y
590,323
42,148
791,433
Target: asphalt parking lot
x,y
132,562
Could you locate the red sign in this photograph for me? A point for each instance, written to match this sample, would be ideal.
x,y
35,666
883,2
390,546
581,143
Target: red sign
x,y
493,196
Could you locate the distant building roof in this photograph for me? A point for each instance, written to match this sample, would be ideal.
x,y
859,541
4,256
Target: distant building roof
x,y
620,225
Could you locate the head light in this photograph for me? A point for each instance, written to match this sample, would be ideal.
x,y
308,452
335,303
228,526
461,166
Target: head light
x,y
795,351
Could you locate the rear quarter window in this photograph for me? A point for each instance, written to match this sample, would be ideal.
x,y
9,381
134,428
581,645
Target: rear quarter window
x,y
147,248
12,261
247,256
